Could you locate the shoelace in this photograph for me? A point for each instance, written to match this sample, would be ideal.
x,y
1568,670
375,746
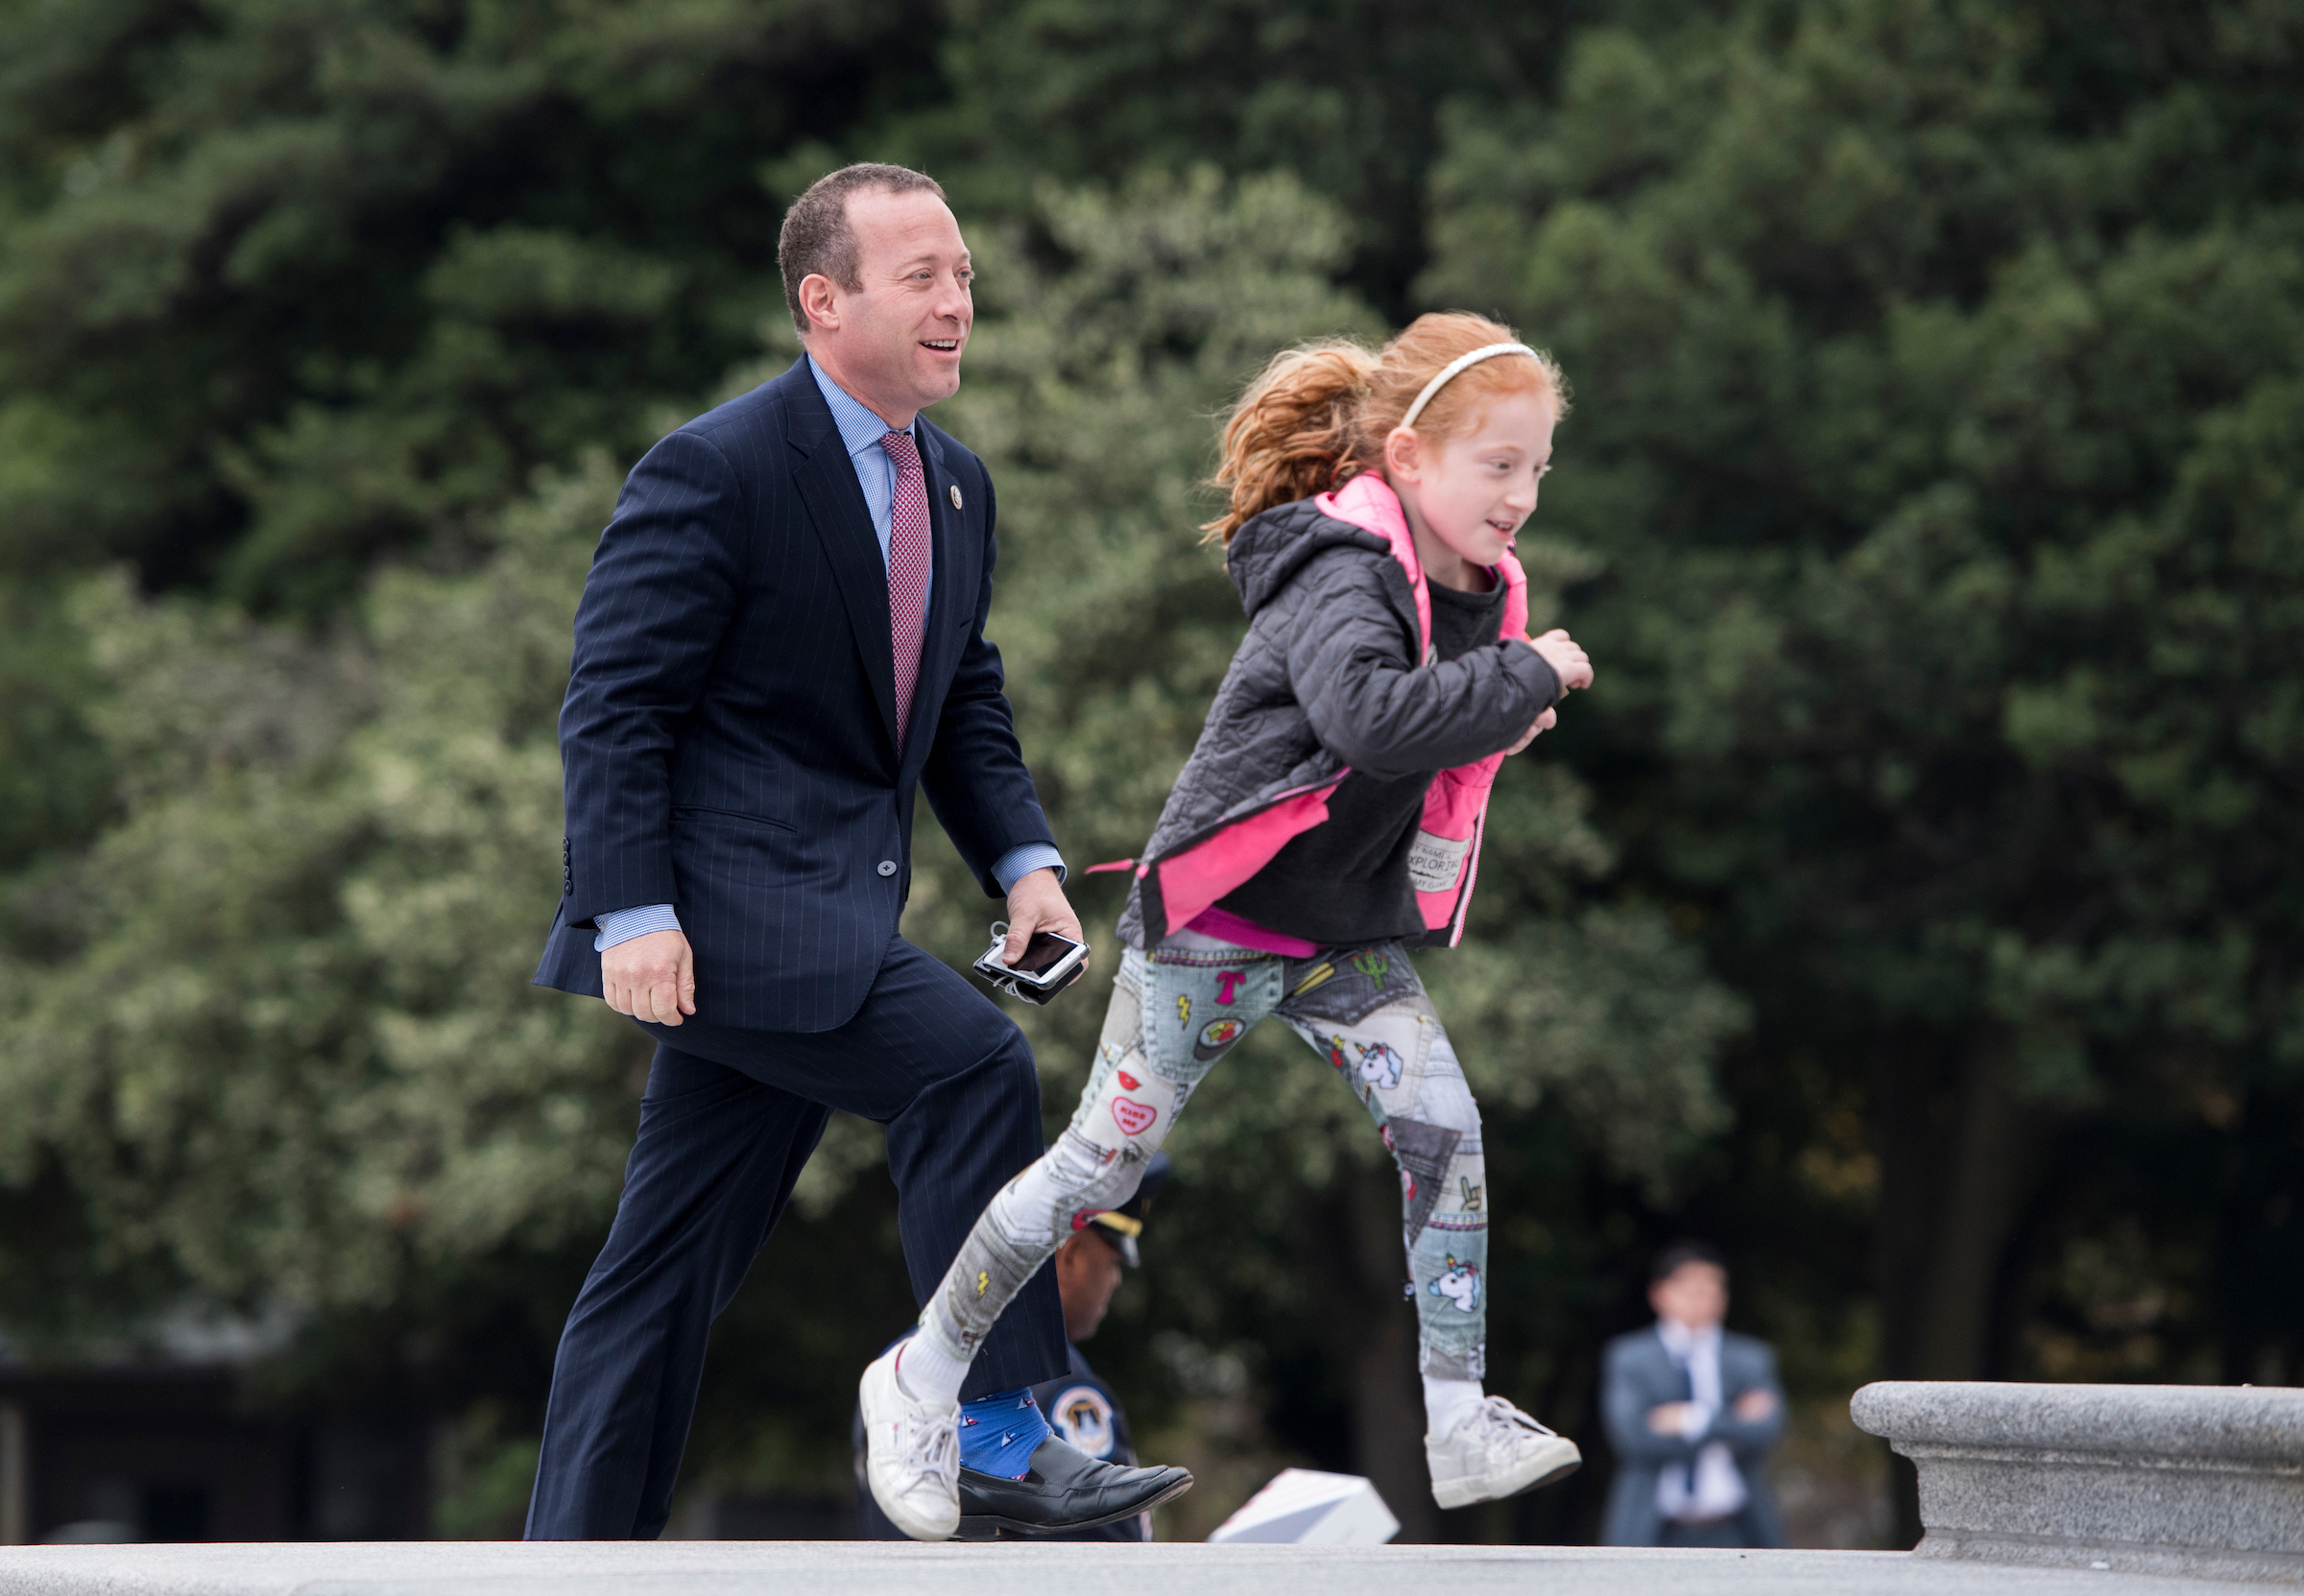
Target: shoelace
x,y
1496,1413
931,1448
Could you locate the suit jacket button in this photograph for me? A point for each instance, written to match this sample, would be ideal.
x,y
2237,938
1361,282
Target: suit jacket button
x,y
887,866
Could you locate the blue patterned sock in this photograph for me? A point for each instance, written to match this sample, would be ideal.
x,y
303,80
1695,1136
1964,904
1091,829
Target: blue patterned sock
x,y
997,1433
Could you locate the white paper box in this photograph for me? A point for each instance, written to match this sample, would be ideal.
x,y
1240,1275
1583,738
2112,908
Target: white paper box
x,y
1303,1507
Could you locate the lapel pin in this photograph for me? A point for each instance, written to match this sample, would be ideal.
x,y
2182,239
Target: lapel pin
x,y
955,492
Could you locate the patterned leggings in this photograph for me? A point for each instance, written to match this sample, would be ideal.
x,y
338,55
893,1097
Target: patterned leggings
x,y
1174,1012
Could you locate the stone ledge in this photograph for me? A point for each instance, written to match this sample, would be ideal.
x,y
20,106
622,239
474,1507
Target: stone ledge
x,y
2202,1482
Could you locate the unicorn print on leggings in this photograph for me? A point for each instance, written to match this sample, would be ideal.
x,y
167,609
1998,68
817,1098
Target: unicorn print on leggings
x,y
1460,1284
1381,1065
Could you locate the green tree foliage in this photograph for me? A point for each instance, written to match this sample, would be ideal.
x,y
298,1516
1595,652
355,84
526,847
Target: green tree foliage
x,y
285,287
1942,426
289,1054
52,776
1343,94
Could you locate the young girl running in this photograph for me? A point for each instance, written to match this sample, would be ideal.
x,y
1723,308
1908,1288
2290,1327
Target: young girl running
x,y
1329,820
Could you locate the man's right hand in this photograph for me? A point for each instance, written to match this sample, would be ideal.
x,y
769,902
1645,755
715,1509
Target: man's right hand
x,y
651,977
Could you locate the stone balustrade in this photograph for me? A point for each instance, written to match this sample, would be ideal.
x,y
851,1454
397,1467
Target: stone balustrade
x,y
2205,1482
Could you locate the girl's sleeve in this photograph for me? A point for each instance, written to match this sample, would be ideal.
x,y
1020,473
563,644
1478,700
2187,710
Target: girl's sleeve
x,y
1350,665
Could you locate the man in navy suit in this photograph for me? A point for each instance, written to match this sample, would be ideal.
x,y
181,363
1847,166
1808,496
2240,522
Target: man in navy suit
x,y
1693,1412
781,637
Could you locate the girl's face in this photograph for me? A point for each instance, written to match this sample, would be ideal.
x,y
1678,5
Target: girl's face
x,y
1468,495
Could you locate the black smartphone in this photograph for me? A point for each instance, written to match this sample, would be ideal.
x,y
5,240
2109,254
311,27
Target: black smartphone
x,y
1047,964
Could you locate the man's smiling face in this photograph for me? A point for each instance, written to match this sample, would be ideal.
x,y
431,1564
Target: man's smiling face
x,y
901,334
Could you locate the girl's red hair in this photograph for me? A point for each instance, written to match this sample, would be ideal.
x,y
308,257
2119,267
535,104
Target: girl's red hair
x,y
1318,415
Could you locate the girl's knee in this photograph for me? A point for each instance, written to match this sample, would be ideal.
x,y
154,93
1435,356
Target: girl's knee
x,y
1118,1182
1445,1100
1076,1167
1072,1178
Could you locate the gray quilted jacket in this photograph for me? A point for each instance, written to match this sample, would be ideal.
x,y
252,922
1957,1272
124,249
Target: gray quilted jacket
x,y
1329,679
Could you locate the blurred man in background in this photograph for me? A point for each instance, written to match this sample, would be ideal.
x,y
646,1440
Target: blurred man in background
x,y
1692,1411
1079,1407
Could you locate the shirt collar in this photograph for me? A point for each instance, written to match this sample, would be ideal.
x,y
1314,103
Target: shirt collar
x,y
859,428
1681,1341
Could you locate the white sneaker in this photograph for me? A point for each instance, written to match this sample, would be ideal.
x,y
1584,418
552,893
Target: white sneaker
x,y
911,1453
1495,1451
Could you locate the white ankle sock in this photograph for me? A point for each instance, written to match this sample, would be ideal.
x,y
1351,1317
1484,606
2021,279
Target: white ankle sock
x,y
1445,1402
928,1373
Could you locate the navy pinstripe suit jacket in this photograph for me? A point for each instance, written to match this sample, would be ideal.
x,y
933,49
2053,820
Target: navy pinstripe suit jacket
x,y
728,738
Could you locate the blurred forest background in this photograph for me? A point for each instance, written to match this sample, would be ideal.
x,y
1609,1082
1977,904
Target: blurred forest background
x,y
1915,907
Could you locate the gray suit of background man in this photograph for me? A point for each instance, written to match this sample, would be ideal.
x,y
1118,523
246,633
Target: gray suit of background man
x,y
1692,1411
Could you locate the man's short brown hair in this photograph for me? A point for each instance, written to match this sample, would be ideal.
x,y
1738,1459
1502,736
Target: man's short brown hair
x,y
816,237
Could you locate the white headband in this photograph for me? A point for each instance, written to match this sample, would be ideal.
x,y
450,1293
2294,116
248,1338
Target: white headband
x,y
1486,351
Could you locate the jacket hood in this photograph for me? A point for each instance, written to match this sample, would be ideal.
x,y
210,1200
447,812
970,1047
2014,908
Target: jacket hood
x,y
1267,552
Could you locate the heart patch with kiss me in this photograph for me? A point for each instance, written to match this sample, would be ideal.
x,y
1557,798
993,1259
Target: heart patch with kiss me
x,y
1132,1117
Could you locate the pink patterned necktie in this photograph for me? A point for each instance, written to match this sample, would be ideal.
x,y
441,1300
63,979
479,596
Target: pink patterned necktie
x,y
908,572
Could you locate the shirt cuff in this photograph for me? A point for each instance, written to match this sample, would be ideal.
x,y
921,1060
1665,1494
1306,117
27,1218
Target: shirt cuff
x,y
1023,860
621,925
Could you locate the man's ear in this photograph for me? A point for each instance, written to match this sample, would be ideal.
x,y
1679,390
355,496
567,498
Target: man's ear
x,y
820,301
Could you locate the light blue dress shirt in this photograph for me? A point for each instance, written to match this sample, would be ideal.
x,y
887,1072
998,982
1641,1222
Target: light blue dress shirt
x,y
861,431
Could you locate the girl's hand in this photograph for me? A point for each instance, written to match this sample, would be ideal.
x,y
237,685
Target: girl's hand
x,y
1544,722
1567,659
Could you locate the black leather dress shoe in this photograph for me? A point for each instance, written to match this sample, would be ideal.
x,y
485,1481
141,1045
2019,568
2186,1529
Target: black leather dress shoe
x,y
1065,1489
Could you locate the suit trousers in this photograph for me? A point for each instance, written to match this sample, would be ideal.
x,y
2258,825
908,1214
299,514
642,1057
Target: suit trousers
x,y
728,1122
